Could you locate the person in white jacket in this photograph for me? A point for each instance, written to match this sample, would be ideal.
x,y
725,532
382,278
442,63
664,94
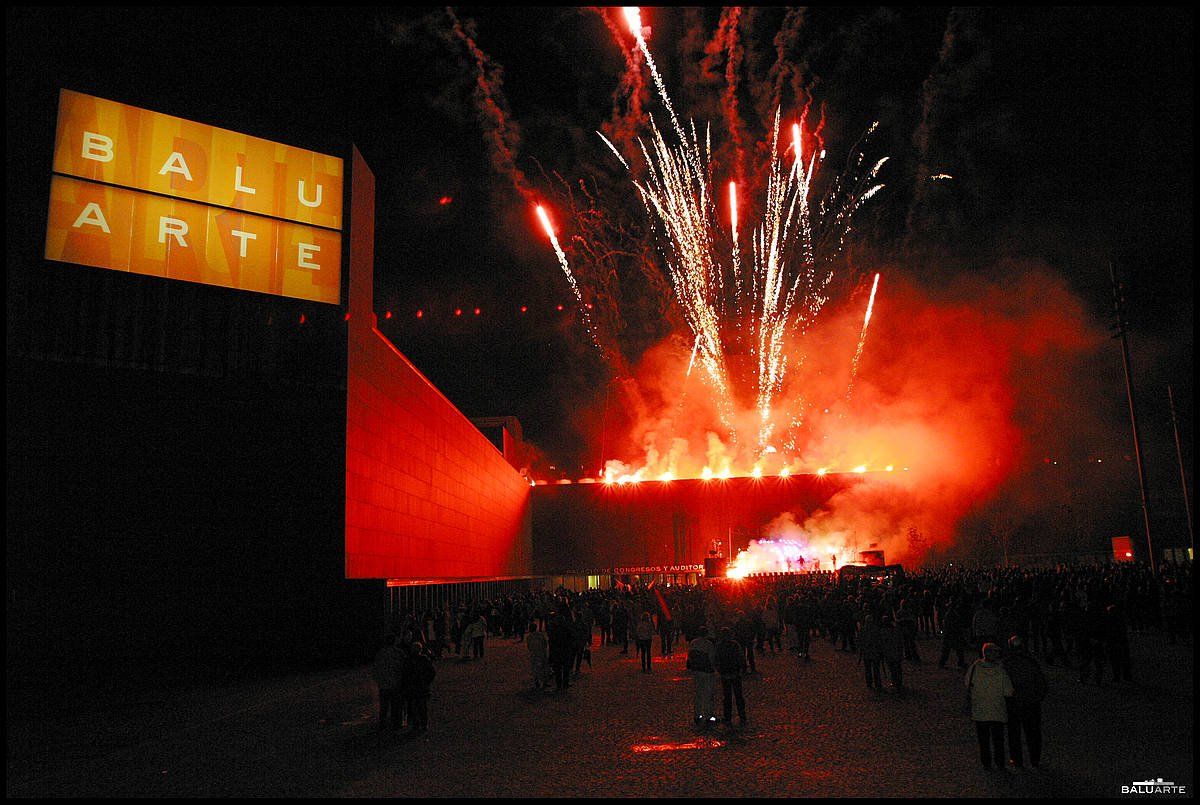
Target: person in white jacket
x,y
988,688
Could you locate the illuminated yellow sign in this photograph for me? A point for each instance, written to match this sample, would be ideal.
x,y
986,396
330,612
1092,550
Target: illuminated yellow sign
x,y
153,194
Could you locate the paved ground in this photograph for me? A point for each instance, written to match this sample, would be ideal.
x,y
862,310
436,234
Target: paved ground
x,y
814,731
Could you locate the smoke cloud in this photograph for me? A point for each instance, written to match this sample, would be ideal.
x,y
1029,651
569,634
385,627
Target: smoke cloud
x,y
941,418
501,132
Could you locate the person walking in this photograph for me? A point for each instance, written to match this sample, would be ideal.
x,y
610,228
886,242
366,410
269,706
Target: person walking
x,y
474,635
805,615
387,670
1116,644
988,688
620,626
955,626
743,630
538,647
702,662
561,640
870,649
731,662
581,627
645,640
984,623
906,621
891,644
771,620
1025,705
666,633
415,686
604,621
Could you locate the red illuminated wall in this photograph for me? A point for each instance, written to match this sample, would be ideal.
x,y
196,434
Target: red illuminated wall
x,y
428,497
591,527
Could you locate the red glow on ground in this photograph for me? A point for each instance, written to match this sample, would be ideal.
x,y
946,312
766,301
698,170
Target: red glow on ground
x,y
444,200
679,746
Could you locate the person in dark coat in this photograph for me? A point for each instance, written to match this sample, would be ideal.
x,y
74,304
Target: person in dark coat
x,y
892,644
955,628
870,648
415,686
581,628
806,616
562,648
847,622
620,627
906,621
1025,705
743,630
731,661
1116,644
388,670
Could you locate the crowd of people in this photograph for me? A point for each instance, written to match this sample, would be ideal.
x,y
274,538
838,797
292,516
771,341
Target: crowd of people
x,y
1001,626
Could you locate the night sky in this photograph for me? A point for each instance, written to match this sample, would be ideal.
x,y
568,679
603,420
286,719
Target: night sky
x,y
1069,132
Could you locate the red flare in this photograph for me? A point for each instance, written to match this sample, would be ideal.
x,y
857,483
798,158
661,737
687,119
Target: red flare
x,y
545,219
633,16
733,216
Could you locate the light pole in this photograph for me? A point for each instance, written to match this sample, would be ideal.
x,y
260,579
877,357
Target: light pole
x,y
1118,306
1187,506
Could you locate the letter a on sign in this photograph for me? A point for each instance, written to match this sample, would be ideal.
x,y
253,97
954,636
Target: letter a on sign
x,y
92,215
176,164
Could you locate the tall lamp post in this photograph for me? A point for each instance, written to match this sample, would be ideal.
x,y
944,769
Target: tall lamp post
x,y
1119,307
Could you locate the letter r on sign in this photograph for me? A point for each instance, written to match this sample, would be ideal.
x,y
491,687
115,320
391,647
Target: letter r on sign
x,y
173,227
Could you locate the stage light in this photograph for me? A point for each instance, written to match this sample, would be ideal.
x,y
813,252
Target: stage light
x,y
387,315
476,311
420,314
822,471
861,468
458,311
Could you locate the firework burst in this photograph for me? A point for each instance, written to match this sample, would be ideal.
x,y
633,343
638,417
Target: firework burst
x,y
743,308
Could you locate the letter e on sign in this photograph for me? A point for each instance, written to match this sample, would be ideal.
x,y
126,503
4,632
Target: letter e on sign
x,y
304,253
